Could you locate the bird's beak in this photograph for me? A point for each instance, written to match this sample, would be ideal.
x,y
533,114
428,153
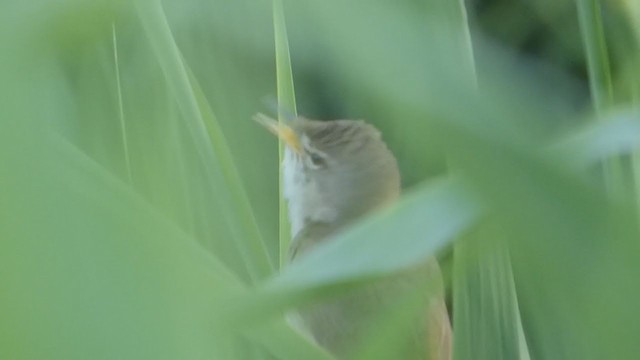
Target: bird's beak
x,y
282,131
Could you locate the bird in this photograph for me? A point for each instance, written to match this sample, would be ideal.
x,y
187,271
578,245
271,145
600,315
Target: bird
x,y
336,172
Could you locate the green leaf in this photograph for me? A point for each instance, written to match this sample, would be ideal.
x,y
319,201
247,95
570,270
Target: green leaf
x,y
421,223
593,38
123,124
618,135
393,240
213,152
485,306
286,108
90,270
82,249
600,82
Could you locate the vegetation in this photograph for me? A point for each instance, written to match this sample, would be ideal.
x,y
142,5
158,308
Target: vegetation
x,y
140,216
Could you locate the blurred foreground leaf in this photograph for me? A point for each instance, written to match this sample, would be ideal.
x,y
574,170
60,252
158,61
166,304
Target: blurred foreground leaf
x,y
99,273
386,243
286,108
215,158
484,300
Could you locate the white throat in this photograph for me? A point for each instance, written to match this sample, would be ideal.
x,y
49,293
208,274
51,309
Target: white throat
x,y
303,196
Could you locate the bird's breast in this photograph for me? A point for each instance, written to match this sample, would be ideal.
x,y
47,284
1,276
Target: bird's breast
x,y
306,199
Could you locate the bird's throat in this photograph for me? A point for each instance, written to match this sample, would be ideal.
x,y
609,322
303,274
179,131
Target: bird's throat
x,y
305,201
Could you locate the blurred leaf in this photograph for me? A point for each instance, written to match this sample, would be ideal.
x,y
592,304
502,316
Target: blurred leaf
x,y
81,249
593,38
484,300
420,224
633,11
388,242
213,152
286,108
618,135
90,270
600,79
123,124
278,337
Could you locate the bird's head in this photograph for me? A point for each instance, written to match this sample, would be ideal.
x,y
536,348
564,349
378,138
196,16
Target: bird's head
x,y
334,171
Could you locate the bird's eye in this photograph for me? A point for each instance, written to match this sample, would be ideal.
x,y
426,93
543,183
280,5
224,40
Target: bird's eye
x,y
316,160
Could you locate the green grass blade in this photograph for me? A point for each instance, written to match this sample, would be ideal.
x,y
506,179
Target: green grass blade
x,y
599,69
421,216
286,105
123,124
155,291
284,342
593,38
121,264
457,24
485,308
422,222
618,135
239,217
484,302
632,10
220,146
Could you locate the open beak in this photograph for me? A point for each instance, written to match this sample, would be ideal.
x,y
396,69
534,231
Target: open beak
x,y
282,131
